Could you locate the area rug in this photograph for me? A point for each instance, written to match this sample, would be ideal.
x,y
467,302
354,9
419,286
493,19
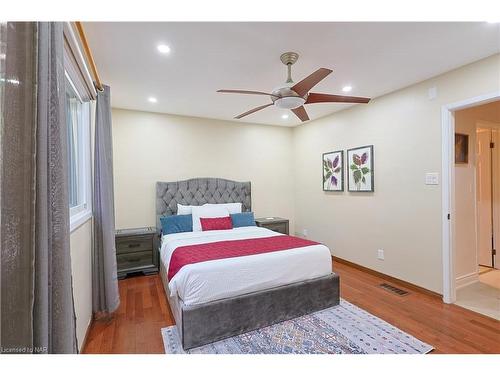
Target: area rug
x,y
342,329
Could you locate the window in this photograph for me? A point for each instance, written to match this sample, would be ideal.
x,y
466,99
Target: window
x,y
78,122
80,108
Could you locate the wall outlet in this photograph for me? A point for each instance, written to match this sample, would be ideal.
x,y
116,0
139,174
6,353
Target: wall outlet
x,y
304,232
380,254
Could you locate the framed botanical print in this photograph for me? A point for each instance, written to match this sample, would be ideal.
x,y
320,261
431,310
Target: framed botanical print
x,y
360,173
333,171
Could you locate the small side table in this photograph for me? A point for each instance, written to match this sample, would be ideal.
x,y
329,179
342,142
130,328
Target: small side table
x,y
277,224
136,251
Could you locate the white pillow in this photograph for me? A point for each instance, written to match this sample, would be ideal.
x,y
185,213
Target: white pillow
x,y
184,210
206,211
233,208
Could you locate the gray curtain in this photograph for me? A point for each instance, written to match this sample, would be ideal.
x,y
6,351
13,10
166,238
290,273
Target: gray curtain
x,y
18,186
37,299
104,284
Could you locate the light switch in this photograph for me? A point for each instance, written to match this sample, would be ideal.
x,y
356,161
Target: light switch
x,y
432,179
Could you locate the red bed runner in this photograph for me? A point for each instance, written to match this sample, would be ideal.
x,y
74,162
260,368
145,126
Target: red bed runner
x,y
185,255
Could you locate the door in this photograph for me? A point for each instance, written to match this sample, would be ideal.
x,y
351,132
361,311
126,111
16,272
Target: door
x,y
495,157
484,197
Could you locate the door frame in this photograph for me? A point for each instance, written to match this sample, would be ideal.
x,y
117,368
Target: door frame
x,y
448,187
482,124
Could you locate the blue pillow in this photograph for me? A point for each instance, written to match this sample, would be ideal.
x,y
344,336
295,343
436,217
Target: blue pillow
x,y
176,224
244,219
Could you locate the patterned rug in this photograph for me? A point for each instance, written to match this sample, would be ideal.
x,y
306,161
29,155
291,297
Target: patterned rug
x,y
342,329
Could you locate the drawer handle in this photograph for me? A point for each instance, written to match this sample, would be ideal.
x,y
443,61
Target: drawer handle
x,y
134,245
134,259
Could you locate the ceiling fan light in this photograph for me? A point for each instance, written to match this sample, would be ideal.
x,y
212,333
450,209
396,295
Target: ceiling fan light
x,y
289,102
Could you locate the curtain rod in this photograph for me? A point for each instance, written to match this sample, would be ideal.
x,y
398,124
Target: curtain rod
x,y
88,53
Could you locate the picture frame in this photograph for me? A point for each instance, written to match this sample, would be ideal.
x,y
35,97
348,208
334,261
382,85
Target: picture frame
x,y
333,171
461,148
360,169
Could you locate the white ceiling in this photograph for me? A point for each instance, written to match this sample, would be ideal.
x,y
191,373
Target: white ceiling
x,y
375,58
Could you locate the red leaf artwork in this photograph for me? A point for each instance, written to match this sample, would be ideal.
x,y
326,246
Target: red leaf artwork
x,y
356,159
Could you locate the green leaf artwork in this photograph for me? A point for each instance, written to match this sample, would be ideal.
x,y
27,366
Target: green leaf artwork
x,y
357,176
359,169
332,171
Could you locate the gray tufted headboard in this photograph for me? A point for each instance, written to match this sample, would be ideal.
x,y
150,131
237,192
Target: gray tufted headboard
x,y
198,191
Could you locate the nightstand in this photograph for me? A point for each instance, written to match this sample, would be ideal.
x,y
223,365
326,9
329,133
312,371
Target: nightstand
x,y
276,224
136,251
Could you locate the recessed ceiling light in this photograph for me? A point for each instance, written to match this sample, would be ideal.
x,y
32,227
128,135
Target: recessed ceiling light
x,y
346,88
152,99
163,48
284,116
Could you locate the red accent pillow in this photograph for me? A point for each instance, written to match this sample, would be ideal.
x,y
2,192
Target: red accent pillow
x,y
216,223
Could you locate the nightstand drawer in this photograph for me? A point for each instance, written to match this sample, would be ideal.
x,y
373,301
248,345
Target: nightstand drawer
x,y
134,260
277,227
133,244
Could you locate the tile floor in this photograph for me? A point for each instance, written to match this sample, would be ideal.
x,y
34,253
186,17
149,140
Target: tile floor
x,y
484,269
484,296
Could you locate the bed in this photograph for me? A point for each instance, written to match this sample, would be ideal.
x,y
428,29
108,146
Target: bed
x,y
216,299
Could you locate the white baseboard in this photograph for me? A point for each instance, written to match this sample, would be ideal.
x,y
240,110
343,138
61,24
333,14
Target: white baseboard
x,y
465,280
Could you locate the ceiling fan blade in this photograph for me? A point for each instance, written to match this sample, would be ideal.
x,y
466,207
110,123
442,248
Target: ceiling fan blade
x,y
253,110
301,113
247,92
310,81
327,98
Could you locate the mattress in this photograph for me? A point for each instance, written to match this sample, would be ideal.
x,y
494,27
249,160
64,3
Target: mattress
x,y
224,278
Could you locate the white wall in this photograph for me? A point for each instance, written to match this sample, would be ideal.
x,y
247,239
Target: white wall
x,y
81,245
150,147
403,215
81,260
465,198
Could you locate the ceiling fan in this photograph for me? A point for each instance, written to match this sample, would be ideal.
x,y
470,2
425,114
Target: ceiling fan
x,y
293,96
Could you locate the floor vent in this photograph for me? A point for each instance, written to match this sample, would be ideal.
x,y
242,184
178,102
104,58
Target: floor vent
x,y
393,289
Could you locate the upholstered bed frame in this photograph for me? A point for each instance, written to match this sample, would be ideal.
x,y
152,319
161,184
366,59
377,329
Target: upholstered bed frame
x,y
205,323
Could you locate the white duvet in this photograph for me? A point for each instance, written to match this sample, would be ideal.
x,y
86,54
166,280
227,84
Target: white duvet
x,y
216,279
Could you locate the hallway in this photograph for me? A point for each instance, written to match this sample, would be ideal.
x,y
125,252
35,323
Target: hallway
x,y
484,296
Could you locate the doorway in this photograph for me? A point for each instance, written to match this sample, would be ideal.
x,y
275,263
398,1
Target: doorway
x,y
476,182
451,195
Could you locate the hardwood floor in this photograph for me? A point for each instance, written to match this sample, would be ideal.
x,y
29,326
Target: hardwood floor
x,y
135,327
144,310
